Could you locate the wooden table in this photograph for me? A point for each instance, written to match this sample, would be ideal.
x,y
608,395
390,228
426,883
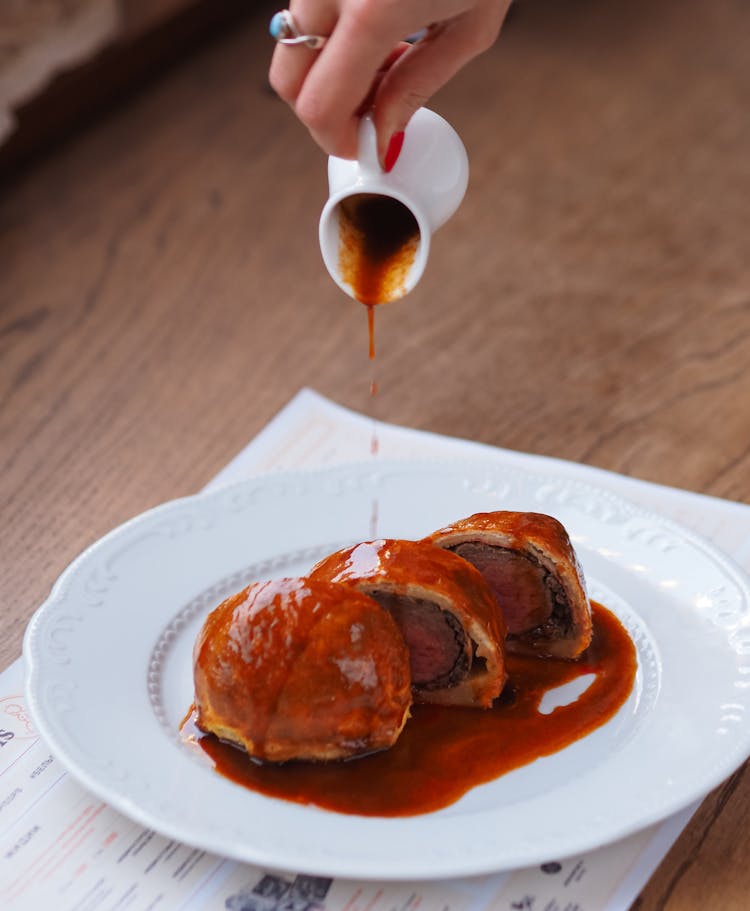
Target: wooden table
x,y
162,296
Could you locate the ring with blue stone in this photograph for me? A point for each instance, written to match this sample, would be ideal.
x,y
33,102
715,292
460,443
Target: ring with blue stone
x,y
284,29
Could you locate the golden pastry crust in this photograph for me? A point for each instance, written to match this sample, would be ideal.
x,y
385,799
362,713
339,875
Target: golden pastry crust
x,y
443,606
302,669
539,568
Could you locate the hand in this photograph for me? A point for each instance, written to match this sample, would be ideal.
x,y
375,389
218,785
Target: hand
x,y
365,64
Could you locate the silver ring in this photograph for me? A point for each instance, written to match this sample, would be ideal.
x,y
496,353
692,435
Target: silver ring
x,y
284,29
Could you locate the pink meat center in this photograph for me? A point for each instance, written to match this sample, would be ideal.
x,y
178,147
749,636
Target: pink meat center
x,y
439,649
517,582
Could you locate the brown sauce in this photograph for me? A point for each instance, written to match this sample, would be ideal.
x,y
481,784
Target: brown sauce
x,y
371,336
378,238
444,751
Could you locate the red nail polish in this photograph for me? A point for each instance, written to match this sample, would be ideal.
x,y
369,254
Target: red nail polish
x,y
394,150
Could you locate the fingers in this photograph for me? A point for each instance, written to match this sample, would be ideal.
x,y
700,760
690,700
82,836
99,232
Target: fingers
x,y
419,73
365,60
329,89
338,84
290,64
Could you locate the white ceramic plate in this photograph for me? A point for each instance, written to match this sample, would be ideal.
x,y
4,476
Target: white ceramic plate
x,y
109,671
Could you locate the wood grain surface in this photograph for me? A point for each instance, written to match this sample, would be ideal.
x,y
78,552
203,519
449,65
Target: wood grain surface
x,y
162,295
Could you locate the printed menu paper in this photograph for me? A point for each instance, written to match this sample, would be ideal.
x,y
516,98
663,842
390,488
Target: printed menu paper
x,y
62,848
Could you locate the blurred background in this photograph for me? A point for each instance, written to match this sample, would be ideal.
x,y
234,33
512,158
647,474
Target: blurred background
x,y
63,60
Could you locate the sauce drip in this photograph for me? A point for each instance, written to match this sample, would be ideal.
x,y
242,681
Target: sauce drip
x,y
444,751
378,242
371,334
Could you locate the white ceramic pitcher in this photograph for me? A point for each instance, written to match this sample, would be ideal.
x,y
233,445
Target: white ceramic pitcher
x,y
429,178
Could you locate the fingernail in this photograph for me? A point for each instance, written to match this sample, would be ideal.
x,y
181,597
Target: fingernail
x,y
393,151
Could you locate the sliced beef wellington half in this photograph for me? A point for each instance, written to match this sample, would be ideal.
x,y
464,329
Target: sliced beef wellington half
x,y
295,669
530,565
445,610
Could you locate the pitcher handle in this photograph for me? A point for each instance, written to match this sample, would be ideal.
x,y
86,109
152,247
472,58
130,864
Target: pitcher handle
x,y
367,148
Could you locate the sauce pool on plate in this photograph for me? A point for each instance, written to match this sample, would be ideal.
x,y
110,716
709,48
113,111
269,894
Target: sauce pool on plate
x,y
445,751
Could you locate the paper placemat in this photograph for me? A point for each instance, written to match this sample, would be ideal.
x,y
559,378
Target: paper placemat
x,y
60,847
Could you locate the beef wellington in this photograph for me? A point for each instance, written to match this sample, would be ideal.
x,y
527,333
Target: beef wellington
x,y
302,669
529,563
445,610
